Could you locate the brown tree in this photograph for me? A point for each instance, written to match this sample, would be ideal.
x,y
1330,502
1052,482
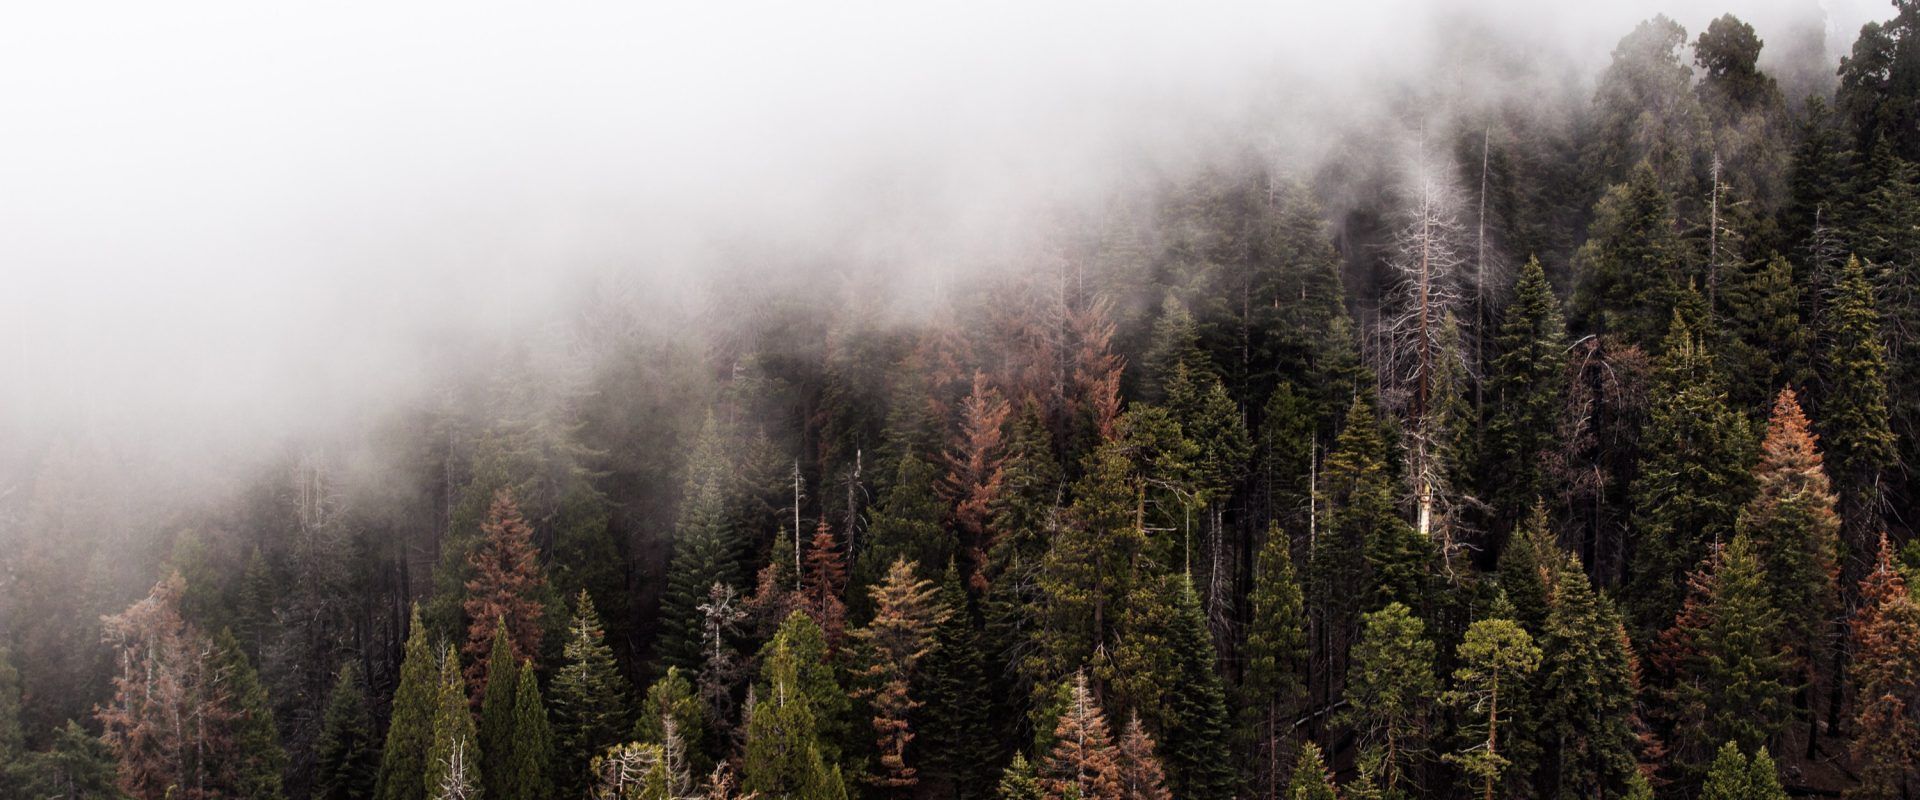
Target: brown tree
x,y
906,611
1084,763
974,472
1141,777
505,590
823,583
1886,675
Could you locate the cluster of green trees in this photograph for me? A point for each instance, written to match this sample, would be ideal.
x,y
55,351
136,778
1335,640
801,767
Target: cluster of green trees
x,y
1234,499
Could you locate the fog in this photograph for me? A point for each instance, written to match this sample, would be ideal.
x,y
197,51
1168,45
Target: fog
x,y
222,223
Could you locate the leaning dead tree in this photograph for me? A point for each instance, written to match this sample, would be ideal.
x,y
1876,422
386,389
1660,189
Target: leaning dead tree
x,y
1431,258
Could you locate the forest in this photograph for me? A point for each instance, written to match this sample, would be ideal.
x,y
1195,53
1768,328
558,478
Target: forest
x,y
1555,446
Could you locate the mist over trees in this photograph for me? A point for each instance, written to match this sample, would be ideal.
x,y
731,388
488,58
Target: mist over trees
x,y
1519,432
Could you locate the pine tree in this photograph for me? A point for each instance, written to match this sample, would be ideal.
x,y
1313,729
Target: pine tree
x,y
590,700
1528,390
258,762
1276,652
1084,763
1795,532
703,550
1497,658
1724,655
497,734
403,761
671,699
1197,750
1629,271
1391,689
528,762
75,766
783,753
822,584
974,473
1854,411
1140,775
1734,777
348,765
1693,480
958,745
504,592
1018,782
1886,679
1173,343
1587,685
453,762
892,646
816,675
905,524
1084,576
1311,781
1365,544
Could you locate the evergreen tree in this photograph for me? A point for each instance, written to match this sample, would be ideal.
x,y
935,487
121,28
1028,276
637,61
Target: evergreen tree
x,y
75,766
1769,345
671,699
453,762
817,675
348,759
822,584
783,754
1084,763
704,551
957,742
1198,738
1366,545
1795,532
1528,388
1018,782
403,761
504,592
1886,679
1140,775
1311,781
590,700
497,735
1694,478
1174,343
1391,689
527,764
906,613
1497,658
1733,777
905,524
1587,685
1084,576
259,762
1725,656
1274,681
1629,273
975,462
1853,411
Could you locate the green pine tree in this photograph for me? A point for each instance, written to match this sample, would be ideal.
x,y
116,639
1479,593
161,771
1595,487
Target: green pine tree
x,y
817,675
1629,273
1276,651
403,760
1197,738
1853,413
1311,780
455,759
347,755
1725,658
906,523
1587,688
497,736
1734,777
957,739
590,700
77,765
783,749
1018,782
1391,690
1527,390
672,697
1497,660
528,763
704,551
260,761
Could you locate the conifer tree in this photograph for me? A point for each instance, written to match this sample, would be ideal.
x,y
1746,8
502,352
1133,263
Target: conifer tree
x,y
497,735
1795,532
1528,390
783,753
704,552
258,760
75,766
671,699
822,584
1497,658
906,613
1173,343
816,674
504,591
1197,751
1587,685
1018,782
1694,478
453,769
1734,777
403,761
1310,781
1276,652
1084,575
12,737
905,524
958,746
590,700
1886,679
974,473
1140,775
528,763
1724,656
1362,555
1629,271
347,754
1854,410
1391,689
1084,763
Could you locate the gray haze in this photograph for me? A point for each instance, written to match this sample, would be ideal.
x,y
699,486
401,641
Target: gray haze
x,y
224,222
